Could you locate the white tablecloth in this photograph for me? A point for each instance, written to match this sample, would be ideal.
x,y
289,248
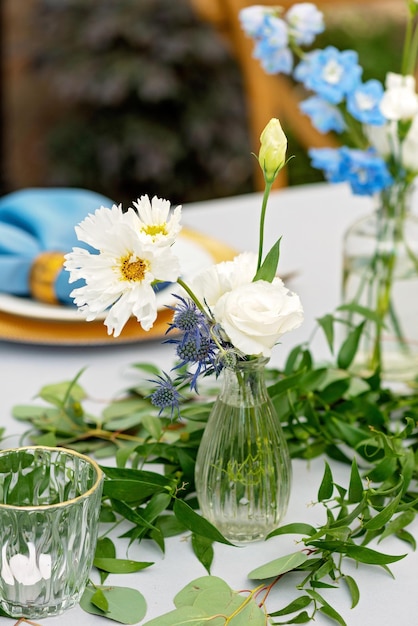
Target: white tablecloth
x,y
312,220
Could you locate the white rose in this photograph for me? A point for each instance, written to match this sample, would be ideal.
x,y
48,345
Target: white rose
x,y
256,314
210,284
399,102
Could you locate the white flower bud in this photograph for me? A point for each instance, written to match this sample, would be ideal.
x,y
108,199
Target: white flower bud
x,y
272,154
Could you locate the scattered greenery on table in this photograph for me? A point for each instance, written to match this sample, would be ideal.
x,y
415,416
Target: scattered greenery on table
x,y
325,410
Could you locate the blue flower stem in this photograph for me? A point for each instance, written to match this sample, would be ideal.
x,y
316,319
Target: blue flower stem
x,y
267,190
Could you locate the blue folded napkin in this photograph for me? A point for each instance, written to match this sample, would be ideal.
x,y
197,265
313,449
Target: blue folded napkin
x,y
38,224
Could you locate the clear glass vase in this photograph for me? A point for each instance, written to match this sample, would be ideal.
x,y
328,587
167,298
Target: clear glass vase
x,y
243,470
380,273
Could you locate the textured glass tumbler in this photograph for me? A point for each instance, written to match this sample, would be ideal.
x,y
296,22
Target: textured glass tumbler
x,y
49,515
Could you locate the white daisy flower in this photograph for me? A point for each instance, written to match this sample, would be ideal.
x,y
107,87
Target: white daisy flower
x,y
119,278
154,220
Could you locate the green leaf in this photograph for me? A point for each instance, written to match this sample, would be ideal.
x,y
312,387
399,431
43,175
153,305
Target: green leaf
x,y
133,491
124,605
353,589
120,566
398,524
302,618
326,322
378,521
279,566
105,548
326,487
366,313
358,553
268,268
349,347
197,524
203,549
355,488
184,616
297,528
296,605
99,599
327,610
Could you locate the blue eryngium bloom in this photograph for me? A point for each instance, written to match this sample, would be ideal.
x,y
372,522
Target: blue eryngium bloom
x,y
165,395
187,317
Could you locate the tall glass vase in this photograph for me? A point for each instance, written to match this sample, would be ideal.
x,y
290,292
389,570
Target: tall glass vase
x,y
380,285
243,470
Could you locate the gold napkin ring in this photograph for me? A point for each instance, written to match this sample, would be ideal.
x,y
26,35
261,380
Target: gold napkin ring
x,y
43,273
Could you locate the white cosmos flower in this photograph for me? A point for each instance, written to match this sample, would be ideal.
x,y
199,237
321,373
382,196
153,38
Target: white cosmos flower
x,y
154,221
119,278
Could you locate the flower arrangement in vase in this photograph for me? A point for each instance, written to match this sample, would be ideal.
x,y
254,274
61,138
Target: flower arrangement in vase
x,y
379,157
227,320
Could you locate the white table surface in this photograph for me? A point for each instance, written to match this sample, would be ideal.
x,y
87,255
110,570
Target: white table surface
x,y
312,219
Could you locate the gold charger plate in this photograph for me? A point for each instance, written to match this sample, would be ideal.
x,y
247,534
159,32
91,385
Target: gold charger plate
x,y
25,329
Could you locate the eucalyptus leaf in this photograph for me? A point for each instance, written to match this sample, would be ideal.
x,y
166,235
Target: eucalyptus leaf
x,y
124,605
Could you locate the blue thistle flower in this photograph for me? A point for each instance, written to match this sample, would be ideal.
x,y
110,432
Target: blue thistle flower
x,y
201,353
187,317
166,395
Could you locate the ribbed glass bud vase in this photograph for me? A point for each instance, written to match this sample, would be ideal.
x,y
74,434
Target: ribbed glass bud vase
x,y
380,286
243,470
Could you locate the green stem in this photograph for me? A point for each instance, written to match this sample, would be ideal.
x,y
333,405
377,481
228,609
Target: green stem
x,y
191,294
266,194
407,46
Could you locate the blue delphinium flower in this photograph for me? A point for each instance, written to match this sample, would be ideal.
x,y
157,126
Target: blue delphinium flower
x,y
363,103
366,172
323,115
330,73
252,20
273,60
305,22
271,48
328,160
166,394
